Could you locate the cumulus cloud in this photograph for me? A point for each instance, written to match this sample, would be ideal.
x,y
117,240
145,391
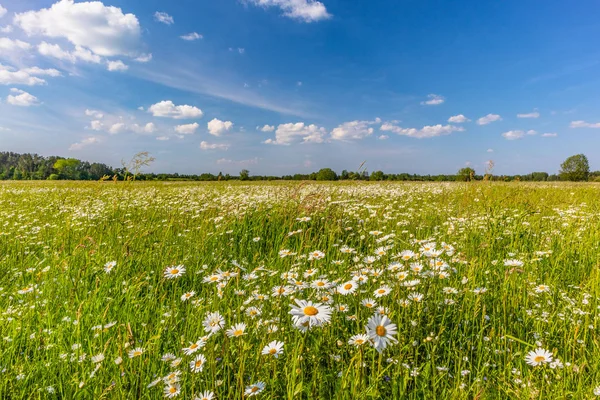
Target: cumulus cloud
x,y
85,142
116,66
513,135
488,119
105,30
79,54
583,124
434,100
9,45
267,128
2,11
549,134
25,76
192,36
21,98
164,18
213,146
94,114
354,130
424,132
6,29
303,10
187,129
121,127
287,134
490,150
383,137
216,127
144,58
534,114
458,119
167,109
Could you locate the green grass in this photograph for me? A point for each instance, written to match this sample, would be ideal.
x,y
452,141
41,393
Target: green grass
x,y
55,239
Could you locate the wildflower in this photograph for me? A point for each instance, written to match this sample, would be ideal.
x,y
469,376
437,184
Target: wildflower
x,y
187,295
254,389
197,364
542,288
347,287
316,255
118,360
513,263
172,391
382,291
174,272
369,303
358,340
538,357
138,351
236,330
381,331
109,266
98,358
314,313
274,349
193,347
213,322
207,395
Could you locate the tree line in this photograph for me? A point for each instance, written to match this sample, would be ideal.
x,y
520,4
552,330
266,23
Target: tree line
x,y
15,166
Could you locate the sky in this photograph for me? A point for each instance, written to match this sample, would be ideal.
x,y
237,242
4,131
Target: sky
x,y
291,86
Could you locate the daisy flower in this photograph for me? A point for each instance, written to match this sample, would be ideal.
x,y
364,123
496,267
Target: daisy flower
x,y
274,349
381,331
347,287
314,314
109,266
236,330
369,303
538,357
187,295
213,322
138,351
254,389
193,347
207,395
174,272
358,340
382,291
197,364
172,391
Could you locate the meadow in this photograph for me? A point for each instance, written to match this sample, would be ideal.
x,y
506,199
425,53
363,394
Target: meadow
x,y
299,291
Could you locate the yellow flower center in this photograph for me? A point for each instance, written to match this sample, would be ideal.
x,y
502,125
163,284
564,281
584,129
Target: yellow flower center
x,y
174,271
310,310
239,332
137,353
348,286
380,330
254,389
198,363
272,351
539,359
359,341
193,346
172,389
320,284
381,291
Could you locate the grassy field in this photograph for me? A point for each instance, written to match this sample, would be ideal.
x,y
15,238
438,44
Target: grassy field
x,y
343,291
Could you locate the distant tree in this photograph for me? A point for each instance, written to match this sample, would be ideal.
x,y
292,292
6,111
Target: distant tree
x,y
67,168
539,176
466,174
377,176
575,168
345,175
326,174
244,175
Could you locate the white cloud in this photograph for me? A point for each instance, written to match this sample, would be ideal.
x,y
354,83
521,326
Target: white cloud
x,y
192,36
96,125
117,66
513,135
548,134
425,132
489,119
2,11
162,138
187,129
6,29
94,114
85,142
144,58
163,17
104,30
490,150
80,53
534,114
383,137
458,119
10,45
252,161
287,134
21,98
216,127
353,130
304,10
268,128
213,146
583,124
434,100
167,109
40,71
531,132
120,127
10,76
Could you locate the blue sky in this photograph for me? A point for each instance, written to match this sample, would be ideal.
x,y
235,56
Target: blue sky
x,y
284,86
